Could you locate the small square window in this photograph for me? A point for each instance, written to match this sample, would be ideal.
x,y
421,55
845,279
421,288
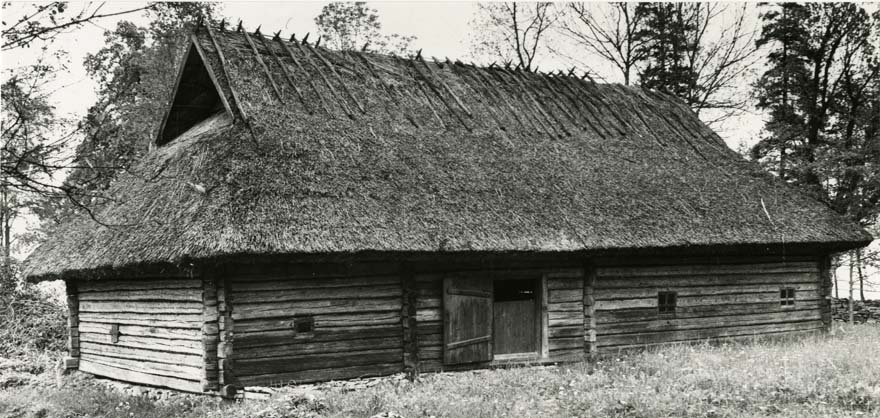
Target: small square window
x,y
666,302
786,296
304,324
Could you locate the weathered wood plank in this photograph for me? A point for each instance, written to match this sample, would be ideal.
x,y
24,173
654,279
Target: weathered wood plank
x,y
429,315
565,306
141,331
272,272
566,343
707,269
86,286
132,376
307,376
686,301
163,369
709,280
109,350
284,309
245,286
566,295
256,340
744,337
171,295
352,292
566,315
306,347
321,321
280,365
141,307
733,288
564,332
160,320
158,344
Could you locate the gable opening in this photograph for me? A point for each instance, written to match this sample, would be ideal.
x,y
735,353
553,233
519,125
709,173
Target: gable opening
x,y
195,98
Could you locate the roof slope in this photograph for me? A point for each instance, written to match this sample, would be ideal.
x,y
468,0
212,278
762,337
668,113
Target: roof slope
x,y
347,151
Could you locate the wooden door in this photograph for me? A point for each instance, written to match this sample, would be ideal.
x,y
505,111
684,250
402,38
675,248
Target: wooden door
x,y
516,313
467,306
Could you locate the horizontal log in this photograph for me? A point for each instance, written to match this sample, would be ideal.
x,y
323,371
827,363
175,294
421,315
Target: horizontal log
x,y
648,292
673,324
141,307
335,373
553,323
267,284
141,331
566,343
132,376
431,339
643,314
565,295
245,340
167,320
708,269
565,284
277,365
353,292
565,332
565,306
685,301
525,273
571,354
427,303
158,344
696,334
574,315
429,315
426,328
712,280
321,347
162,369
321,321
285,309
109,350
139,284
184,295
299,271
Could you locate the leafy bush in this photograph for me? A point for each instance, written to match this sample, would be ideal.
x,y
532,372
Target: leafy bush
x,y
30,319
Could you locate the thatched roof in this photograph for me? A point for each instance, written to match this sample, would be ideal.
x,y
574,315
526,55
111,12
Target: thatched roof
x,y
341,152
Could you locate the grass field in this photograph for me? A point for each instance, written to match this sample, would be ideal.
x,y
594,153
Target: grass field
x,y
837,375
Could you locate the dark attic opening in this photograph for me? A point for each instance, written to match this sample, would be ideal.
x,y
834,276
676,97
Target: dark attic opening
x,y
195,99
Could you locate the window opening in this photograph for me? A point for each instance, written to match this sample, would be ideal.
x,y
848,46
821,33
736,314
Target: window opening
x,y
666,302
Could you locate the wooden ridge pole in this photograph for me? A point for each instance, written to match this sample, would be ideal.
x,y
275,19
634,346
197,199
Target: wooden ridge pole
x,y
421,89
462,74
436,91
333,91
303,70
263,64
490,87
583,97
287,75
338,78
446,87
528,108
578,105
541,105
388,90
223,66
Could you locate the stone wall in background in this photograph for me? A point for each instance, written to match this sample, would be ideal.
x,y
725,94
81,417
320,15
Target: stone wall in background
x,y
864,312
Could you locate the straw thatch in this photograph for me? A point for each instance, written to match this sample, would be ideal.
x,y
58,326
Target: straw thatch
x,y
339,152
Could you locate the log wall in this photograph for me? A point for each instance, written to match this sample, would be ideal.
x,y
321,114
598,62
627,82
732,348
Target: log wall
x,y
713,301
146,331
356,312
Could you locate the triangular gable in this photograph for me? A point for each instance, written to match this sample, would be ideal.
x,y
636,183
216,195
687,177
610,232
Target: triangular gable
x,y
197,96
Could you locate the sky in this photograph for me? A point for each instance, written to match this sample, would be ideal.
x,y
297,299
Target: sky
x,y
442,29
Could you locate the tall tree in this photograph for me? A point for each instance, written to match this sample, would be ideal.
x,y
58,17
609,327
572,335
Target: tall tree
x,y
514,32
698,52
609,30
354,25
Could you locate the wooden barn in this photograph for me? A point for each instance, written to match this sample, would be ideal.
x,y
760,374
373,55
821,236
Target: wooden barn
x,y
308,214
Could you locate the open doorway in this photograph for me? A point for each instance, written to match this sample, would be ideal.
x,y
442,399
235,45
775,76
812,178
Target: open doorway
x,y
516,310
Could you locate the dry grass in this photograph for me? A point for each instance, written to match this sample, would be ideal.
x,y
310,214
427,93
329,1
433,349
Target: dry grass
x,y
822,376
